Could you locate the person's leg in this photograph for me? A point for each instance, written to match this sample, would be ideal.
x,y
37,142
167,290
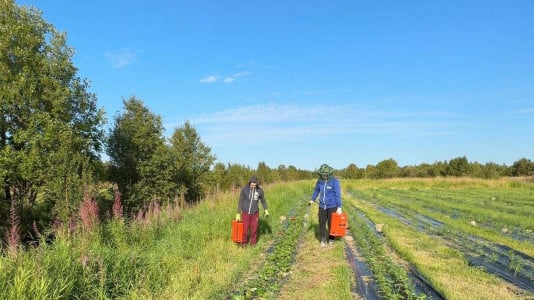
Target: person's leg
x,y
323,218
330,211
246,224
254,220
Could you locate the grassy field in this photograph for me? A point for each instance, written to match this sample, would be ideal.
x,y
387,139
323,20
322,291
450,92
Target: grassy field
x,y
455,233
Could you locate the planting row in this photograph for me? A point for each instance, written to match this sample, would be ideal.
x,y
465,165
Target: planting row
x,y
276,269
508,213
514,266
379,276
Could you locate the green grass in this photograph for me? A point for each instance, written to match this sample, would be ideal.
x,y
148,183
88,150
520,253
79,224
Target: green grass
x,y
318,272
188,254
444,266
174,255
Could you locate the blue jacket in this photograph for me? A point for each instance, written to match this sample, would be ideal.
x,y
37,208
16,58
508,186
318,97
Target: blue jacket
x,y
329,192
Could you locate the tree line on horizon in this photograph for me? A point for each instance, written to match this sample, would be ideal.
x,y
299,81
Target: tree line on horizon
x,y
52,137
456,167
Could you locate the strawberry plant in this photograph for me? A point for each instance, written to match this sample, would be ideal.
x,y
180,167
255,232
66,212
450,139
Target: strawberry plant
x,y
278,263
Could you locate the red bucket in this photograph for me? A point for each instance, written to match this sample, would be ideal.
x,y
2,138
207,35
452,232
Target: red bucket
x,y
237,231
339,225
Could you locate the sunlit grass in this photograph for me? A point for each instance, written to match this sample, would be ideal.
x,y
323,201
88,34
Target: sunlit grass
x,y
318,272
443,266
171,254
188,254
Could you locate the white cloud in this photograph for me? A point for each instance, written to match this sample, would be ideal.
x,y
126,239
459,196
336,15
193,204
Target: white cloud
x,y
241,74
121,58
270,113
209,79
291,122
229,80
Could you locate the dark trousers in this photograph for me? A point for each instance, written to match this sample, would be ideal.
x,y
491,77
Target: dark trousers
x,y
250,221
325,218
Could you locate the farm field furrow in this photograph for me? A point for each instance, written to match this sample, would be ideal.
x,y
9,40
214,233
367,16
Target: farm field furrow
x,y
392,279
515,267
270,277
446,212
364,276
481,206
413,205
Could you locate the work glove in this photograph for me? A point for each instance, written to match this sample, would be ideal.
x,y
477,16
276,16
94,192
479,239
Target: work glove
x,y
338,210
310,203
266,213
238,217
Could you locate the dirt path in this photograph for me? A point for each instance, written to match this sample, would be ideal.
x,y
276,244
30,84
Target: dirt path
x,y
314,272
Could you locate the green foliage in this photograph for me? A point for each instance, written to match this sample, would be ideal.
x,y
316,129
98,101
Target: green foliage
x,y
352,172
264,173
458,167
232,176
136,148
146,168
192,160
523,167
50,126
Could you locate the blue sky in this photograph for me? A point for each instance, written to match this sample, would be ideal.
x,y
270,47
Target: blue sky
x,y
303,83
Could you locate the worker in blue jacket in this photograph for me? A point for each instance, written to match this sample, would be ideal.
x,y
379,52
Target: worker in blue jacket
x,y
329,191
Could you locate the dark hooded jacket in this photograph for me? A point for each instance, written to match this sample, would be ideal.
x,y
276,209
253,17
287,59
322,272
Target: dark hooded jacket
x,y
249,198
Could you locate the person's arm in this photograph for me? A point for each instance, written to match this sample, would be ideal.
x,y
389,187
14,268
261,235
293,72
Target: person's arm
x,y
238,215
263,202
315,191
242,199
262,199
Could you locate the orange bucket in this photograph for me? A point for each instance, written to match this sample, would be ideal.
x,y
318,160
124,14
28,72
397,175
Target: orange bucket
x,y
339,225
237,231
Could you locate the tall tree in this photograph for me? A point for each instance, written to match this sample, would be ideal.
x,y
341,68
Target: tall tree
x,y
217,177
458,166
50,126
387,168
264,173
292,173
352,172
282,172
135,146
193,160
523,167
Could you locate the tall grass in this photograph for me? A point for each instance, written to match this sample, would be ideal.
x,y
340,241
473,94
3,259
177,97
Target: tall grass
x,y
164,253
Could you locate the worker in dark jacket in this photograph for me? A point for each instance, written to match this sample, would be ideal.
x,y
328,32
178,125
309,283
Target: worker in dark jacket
x,y
248,209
